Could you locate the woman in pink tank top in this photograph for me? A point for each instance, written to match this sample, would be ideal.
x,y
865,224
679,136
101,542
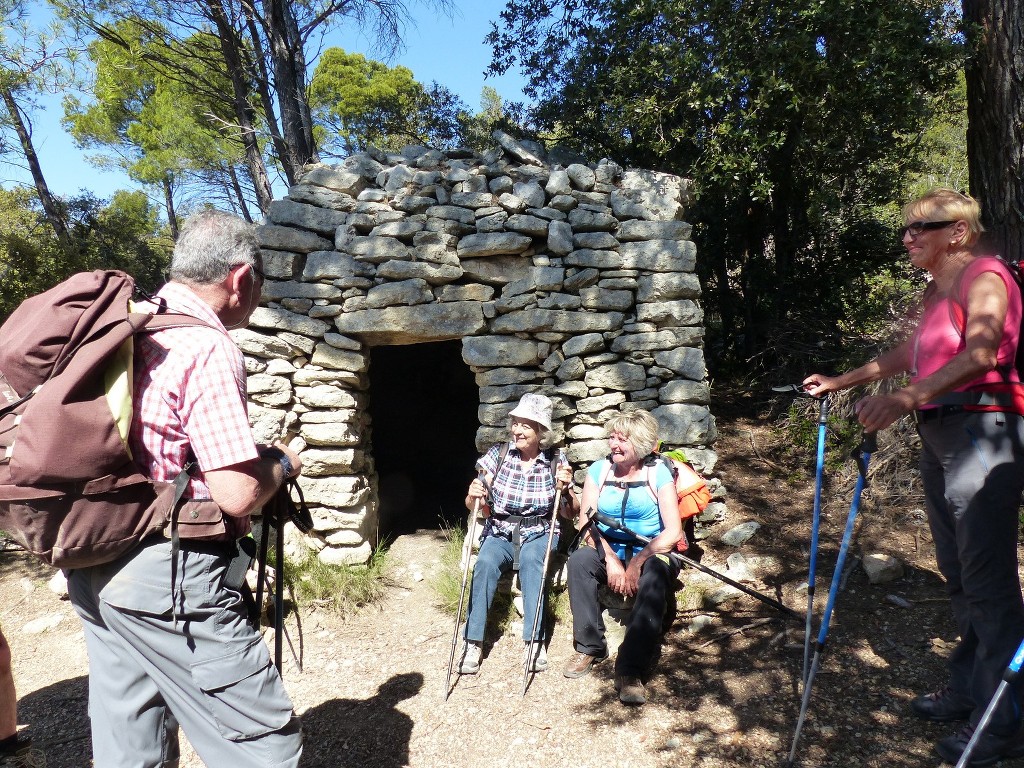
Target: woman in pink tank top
x,y
967,401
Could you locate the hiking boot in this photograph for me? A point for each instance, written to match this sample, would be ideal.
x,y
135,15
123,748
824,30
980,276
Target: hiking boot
x,y
540,656
943,706
989,750
23,756
471,654
631,690
581,663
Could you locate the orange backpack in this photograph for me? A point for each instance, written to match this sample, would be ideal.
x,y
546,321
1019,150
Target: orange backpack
x,y
691,489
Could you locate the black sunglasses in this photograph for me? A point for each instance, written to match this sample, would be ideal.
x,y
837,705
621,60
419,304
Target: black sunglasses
x,y
915,228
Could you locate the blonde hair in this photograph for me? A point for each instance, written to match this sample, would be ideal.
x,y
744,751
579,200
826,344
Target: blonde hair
x,y
943,203
638,427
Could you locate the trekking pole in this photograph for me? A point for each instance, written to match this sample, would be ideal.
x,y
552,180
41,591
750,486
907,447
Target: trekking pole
x,y
799,390
679,559
862,455
815,521
471,533
540,594
1009,676
279,597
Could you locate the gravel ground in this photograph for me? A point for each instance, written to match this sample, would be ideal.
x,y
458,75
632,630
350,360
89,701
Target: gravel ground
x,y
371,688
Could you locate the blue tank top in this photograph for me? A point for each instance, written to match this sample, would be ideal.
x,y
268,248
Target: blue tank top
x,y
632,504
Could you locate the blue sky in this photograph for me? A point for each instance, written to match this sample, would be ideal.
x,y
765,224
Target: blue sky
x,y
448,50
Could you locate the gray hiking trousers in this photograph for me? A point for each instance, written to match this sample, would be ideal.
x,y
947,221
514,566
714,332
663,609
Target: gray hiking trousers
x,y
972,465
212,673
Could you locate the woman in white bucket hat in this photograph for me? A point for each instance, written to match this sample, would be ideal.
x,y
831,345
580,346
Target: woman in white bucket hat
x,y
517,498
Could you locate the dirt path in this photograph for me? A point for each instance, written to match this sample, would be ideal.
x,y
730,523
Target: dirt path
x,y
371,687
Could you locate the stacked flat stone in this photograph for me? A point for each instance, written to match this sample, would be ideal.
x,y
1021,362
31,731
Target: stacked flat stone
x,y
572,280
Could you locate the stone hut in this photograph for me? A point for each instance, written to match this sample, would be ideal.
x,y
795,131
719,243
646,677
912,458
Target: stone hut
x,y
413,298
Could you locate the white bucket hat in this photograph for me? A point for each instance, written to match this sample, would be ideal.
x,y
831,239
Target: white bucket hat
x,y
535,408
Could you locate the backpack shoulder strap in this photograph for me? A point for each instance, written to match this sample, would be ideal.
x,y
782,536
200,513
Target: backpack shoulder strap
x,y
151,322
652,468
502,453
551,454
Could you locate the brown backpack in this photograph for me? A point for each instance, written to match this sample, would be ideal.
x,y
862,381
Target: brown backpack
x,y
70,492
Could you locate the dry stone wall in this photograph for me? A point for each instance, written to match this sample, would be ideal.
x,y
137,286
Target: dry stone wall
x,y
573,280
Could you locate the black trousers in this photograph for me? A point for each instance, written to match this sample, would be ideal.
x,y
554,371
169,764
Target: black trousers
x,y
587,573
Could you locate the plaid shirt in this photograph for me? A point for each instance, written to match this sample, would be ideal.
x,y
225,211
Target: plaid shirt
x,y
514,492
189,397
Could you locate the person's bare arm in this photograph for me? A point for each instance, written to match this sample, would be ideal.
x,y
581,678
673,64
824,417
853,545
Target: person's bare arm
x,y
896,360
986,314
242,488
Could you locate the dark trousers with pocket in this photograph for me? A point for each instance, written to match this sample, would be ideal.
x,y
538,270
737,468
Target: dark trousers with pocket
x,y
587,574
972,466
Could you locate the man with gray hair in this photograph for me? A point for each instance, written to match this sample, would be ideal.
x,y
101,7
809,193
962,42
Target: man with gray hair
x,y
168,638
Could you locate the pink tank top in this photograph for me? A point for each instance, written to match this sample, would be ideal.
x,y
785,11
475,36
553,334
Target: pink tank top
x,y
939,336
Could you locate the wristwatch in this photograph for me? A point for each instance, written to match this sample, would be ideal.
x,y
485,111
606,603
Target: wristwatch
x,y
282,459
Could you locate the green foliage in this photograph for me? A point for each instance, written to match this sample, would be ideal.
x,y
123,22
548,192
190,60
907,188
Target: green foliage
x,y
357,102
158,127
447,582
799,429
944,143
799,122
476,131
343,589
123,233
447,586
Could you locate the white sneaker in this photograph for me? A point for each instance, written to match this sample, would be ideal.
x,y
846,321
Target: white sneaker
x,y
540,656
471,654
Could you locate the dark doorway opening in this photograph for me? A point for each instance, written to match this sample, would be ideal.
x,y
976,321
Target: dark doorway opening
x,y
423,410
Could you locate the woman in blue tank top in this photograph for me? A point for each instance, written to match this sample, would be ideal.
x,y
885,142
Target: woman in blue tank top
x,y
641,495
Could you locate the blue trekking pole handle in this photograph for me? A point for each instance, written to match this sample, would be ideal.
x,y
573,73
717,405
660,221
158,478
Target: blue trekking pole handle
x,y
1009,676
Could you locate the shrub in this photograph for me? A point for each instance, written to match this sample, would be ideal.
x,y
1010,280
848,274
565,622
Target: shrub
x,y
341,588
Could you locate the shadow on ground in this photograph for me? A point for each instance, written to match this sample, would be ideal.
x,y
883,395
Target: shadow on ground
x,y
362,732
58,719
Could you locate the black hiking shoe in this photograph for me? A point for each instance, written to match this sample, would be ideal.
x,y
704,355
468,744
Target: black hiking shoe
x,y
990,749
944,706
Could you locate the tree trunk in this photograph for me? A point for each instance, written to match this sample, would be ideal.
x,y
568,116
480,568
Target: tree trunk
x,y
50,208
995,119
236,186
269,112
172,216
289,62
241,96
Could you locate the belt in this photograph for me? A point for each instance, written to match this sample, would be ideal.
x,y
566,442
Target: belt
x,y
940,412
226,548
